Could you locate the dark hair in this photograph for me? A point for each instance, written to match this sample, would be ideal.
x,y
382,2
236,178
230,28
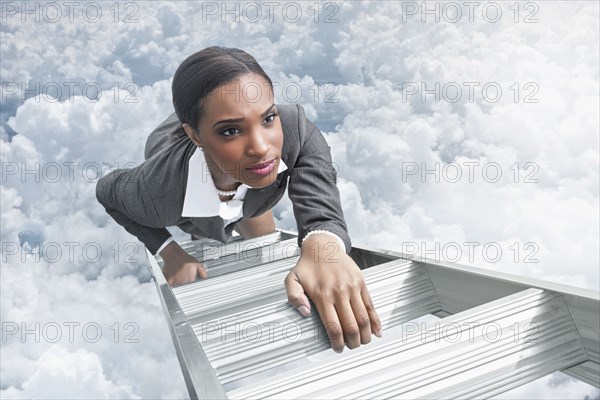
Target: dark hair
x,y
204,71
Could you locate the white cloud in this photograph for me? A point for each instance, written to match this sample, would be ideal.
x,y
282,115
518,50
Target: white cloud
x,y
375,131
62,374
554,386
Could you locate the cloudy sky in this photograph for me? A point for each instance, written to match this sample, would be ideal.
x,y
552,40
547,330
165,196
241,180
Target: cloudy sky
x,y
452,127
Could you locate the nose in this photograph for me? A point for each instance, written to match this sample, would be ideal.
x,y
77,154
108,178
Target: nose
x,y
258,143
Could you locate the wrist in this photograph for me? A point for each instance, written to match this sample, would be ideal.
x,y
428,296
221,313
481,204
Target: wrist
x,y
320,232
170,250
322,247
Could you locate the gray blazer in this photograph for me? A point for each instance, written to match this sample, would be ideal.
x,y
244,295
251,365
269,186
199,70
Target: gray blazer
x,y
147,198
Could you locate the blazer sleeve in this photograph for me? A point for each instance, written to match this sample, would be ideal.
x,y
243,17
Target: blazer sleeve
x,y
125,198
312,187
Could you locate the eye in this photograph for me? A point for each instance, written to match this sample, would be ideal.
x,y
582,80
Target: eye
x,y
231,131
272,116
224,133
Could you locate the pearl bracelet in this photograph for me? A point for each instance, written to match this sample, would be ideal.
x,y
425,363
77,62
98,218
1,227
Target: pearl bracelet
x,y
339,239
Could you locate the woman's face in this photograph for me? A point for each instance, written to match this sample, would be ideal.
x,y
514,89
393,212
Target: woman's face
x,y
240,128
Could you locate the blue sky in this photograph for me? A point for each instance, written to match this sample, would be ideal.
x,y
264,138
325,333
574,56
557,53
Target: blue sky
x,y
469,133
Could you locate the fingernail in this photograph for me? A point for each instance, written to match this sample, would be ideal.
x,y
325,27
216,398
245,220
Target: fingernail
x,y
378,334
304,311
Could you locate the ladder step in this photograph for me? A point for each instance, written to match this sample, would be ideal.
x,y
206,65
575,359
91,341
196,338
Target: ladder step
x,y
517,339
241,255
248,329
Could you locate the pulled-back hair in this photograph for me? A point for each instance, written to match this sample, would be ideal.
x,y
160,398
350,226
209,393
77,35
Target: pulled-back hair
x,y
204,71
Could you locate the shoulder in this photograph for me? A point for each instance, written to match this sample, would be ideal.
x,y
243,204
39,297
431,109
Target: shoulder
x,y
294,122
167,132
292,116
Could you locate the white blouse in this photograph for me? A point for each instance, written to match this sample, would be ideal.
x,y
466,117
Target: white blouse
x,y
201,197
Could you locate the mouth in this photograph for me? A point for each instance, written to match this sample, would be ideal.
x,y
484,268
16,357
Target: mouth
x,y
262,169
262,165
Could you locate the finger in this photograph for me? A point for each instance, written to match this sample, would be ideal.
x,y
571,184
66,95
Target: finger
x,y
373,316
202,271
361,316
331,322
296,295
346,316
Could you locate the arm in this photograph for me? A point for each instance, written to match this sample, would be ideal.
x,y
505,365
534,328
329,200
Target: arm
x,y
313,191
325,272
124,198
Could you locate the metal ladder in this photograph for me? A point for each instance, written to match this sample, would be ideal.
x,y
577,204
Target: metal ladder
x,y
449,330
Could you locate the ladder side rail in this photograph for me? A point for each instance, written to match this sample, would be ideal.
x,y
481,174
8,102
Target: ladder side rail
x,y
200,378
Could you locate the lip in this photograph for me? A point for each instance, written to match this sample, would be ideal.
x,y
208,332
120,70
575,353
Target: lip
x,y
261,165
262,169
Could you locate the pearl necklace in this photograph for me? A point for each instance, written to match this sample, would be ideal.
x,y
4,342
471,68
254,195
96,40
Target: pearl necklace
x,y
227,192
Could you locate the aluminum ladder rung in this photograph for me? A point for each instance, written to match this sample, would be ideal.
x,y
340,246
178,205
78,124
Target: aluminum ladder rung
x,y
464,362
400,291
241,255
236,335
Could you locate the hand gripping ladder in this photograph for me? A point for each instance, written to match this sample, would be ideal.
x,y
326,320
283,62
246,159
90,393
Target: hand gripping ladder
x,y
449,330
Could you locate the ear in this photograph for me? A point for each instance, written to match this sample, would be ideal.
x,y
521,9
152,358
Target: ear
x,y
191,134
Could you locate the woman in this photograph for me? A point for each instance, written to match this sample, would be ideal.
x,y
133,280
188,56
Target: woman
x,y
221,162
